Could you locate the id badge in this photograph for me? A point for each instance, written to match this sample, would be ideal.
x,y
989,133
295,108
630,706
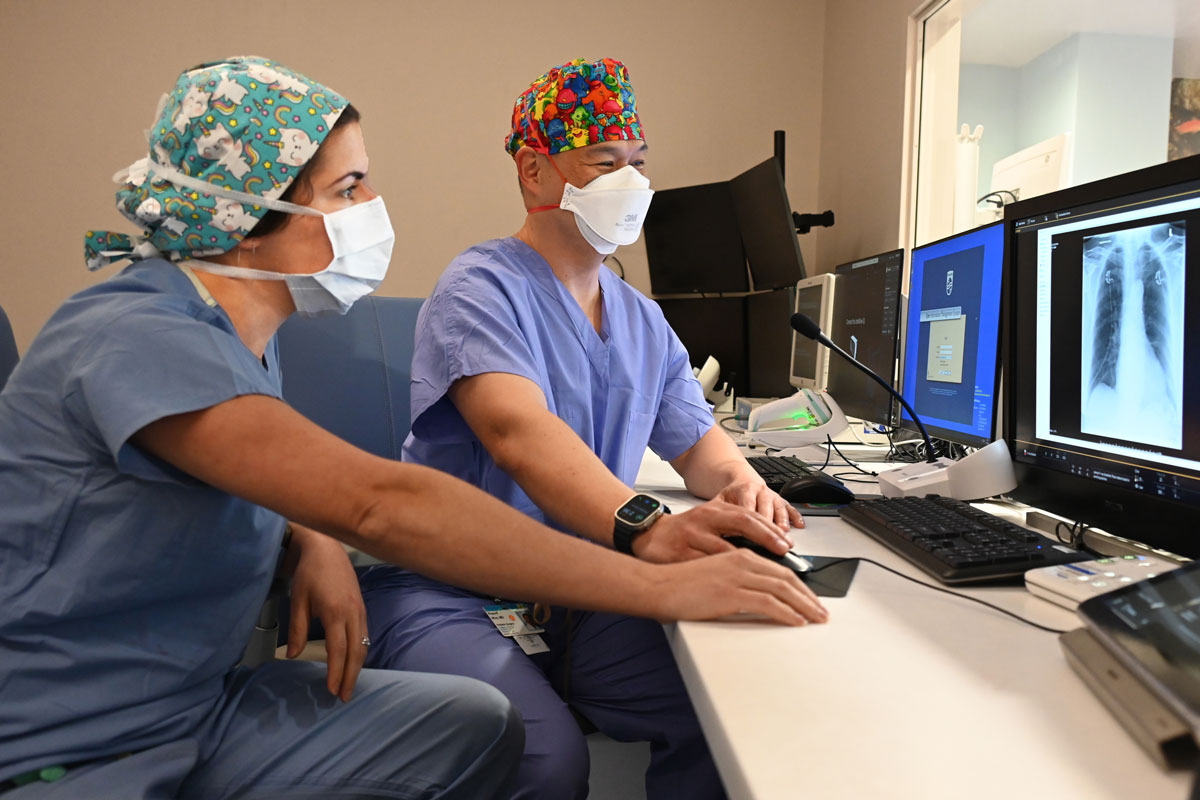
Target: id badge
x,y
512,619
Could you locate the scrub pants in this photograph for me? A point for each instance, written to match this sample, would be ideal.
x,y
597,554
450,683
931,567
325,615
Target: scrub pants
x,y
618,672
284,736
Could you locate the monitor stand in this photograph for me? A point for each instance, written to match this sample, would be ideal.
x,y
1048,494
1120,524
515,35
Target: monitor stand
x,y
985,473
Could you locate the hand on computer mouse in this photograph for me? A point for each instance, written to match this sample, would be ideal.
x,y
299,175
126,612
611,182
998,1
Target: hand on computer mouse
x,y
752,493
700,531
797,564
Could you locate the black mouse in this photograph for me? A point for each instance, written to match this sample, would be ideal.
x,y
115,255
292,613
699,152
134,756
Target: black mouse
x,y
816,488
797,564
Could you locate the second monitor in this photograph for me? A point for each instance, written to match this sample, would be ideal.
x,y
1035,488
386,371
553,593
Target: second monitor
x,y
866,324
951,344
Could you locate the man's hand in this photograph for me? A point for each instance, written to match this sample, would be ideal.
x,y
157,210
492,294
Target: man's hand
x,y
700,531
735,583
752,493
325,586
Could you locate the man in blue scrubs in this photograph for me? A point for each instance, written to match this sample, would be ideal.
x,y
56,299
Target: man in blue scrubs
x,y
541,377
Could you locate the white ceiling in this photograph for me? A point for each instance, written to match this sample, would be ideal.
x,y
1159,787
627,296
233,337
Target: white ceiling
x,y
1011,33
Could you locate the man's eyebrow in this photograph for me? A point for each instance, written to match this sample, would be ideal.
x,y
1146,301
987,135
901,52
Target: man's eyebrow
x,y
607,148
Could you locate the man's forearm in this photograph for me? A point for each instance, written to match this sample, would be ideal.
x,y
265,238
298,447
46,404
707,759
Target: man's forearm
x,y
711,464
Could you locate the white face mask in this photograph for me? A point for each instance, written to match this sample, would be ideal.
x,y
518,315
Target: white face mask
x,y
362,240
361,236
610,210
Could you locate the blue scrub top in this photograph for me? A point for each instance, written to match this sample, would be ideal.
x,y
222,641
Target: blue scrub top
x,y
499,308
127,588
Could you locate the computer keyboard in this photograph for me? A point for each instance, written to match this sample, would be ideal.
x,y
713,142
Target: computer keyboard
x,y
954,541
778,470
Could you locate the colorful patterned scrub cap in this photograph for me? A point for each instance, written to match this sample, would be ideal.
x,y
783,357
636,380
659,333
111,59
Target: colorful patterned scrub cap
x,y
245,127
573,106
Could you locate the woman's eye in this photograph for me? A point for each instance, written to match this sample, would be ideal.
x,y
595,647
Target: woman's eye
x,y
348,192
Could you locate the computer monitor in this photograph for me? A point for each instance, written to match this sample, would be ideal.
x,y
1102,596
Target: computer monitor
x,y
1103,370
951,363
866,324
768,343
712,326
768,232
693,244
810,361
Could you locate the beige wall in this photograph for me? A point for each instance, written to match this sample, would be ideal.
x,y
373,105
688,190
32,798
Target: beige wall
x,y
862,127
435,81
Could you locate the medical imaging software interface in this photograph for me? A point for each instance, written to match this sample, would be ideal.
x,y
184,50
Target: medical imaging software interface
x,y
952,335
1117,369
866,312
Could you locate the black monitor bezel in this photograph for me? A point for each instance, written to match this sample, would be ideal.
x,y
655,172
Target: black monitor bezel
x,y
1157,522
936,431
676,254
890,418
773,232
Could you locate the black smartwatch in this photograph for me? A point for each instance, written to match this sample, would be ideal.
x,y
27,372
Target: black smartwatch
x,y
635,516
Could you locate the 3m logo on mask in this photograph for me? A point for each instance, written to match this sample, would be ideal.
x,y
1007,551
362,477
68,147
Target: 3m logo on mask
x,y
631,219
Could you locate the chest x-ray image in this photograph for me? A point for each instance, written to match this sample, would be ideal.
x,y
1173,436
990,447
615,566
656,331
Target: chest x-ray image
x,y
1132,365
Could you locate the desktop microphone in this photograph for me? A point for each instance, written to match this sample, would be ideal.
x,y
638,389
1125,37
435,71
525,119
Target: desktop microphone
x,y
811,330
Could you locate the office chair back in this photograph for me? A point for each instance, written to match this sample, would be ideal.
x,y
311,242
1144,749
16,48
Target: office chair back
x,y
8,349
350,374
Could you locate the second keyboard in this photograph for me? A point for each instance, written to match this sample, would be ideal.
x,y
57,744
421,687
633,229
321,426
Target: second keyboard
x,y
954,541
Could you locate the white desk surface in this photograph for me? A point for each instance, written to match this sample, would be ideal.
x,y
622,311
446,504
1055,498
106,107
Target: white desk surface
x,y
905,693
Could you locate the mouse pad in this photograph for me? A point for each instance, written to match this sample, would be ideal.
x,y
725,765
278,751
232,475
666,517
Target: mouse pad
x,y
832,581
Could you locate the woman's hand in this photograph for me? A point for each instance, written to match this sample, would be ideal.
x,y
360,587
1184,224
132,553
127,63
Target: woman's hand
x,y
735,583
325,586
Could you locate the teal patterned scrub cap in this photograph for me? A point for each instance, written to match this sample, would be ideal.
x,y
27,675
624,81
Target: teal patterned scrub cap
x,y
231,133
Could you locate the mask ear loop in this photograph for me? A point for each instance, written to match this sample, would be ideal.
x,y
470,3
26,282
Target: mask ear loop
x,y
536,209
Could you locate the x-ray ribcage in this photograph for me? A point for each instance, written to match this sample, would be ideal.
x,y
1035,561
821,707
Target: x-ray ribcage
x,y
1132,376
1107,258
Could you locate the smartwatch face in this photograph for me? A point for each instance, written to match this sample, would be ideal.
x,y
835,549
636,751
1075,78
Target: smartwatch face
x,y
637,510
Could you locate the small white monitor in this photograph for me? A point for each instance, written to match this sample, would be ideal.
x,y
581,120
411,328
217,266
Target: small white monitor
x,y
1044,167
810,361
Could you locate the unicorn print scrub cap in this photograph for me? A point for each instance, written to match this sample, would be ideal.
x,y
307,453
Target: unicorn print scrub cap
x,y
575,105
230,133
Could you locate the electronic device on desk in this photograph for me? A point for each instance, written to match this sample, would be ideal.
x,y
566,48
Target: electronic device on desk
x,y
951,355
807,417
984,473
1068,585
951,366
954,541
1103,369
810,361
866,324
1139,651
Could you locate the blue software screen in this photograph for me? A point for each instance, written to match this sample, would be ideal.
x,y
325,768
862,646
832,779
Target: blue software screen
x,y
952,334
